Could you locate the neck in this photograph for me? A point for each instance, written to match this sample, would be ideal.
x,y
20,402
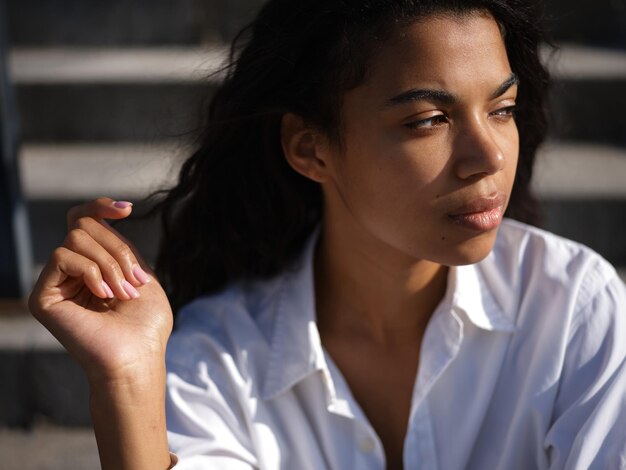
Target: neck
x,y
368,289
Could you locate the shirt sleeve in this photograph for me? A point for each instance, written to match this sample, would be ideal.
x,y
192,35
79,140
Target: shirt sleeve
x,y
588,429
206,425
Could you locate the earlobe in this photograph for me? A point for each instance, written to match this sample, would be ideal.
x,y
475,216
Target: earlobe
x,y
304,148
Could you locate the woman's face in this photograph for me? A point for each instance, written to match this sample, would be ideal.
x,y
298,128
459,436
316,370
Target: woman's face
x,y
429,142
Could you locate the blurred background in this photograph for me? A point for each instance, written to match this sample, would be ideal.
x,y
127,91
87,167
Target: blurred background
x,y
102,98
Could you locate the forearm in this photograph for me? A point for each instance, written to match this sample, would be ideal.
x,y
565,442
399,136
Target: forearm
x,y
114,318
129,422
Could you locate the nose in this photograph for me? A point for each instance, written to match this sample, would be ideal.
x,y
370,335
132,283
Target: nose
x,y
477,151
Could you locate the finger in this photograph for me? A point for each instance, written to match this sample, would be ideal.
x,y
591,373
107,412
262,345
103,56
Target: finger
x,y
106,208
122,251
99,209
141,261
81,242
65,264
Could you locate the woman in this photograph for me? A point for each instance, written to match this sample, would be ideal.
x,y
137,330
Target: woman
x,y
354,297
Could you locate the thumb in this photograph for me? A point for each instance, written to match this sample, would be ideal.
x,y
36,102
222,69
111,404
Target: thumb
x,y
101,208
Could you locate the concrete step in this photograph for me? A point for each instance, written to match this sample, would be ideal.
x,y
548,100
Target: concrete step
x,y
84,171
140,94
574,171
583,192
115,22
126,23
129,65
601,22
588,94
152,22
575,62
55,65
38,380
58,176
589,110
49,447
110,112
112,94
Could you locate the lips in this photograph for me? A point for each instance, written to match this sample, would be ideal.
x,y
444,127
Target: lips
x,y
481,214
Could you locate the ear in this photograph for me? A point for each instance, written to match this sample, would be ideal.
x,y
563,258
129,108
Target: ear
x,y
306,148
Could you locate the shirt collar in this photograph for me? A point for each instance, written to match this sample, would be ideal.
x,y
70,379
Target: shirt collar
x,y
296,347
478,298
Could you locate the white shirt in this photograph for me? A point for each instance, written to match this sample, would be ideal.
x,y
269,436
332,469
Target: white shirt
x,y
522,366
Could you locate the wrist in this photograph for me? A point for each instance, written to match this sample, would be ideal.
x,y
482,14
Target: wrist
x,y
127,371
128,415
129,387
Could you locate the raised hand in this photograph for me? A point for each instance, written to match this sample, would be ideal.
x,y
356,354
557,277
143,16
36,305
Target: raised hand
x,y
102,302
99,298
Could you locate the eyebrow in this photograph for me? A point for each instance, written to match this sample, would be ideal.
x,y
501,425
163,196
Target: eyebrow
x,y
508,83
443,96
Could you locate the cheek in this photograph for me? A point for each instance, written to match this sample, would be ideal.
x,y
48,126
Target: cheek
x,y
424,161
509,140
410,158
397,173
394,188
512,152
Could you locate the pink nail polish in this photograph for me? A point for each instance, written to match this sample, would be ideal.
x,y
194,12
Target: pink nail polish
x,y
107,290
129,289
122,204
141,275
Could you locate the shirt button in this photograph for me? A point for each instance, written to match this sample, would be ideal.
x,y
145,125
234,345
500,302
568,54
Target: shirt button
x,y
367,445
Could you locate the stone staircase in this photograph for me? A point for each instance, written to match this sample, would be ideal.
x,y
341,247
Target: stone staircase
x,y
108,94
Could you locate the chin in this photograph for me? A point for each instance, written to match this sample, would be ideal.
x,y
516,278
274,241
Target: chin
x,y
469,251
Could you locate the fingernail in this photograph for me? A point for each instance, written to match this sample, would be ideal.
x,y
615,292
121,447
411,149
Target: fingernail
x,y
108,290
122,204
141,275
129,289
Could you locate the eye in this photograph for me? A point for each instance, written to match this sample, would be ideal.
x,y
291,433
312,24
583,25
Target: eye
x,y
504,114
428,123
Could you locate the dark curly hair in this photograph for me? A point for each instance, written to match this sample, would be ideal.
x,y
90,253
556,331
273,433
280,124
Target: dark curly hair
x,y
239,211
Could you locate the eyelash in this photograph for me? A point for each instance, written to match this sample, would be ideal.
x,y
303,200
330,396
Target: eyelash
x,y
502,114
510,112
422,124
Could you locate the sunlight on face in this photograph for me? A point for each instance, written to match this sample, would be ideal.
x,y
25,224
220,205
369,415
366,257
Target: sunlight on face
x,y
430,144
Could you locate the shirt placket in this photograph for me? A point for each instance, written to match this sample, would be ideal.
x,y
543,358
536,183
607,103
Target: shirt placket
x,y
441,345
368,453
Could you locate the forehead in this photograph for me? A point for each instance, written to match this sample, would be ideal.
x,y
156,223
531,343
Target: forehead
x,y
460,53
